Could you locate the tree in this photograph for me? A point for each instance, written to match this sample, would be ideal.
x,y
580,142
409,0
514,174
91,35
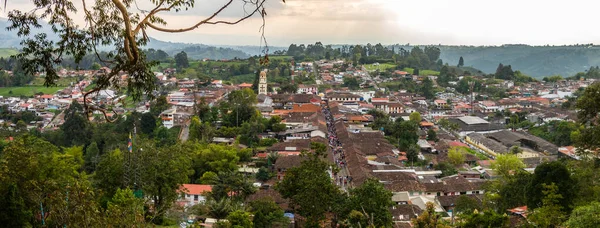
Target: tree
x,y
76,127
96,66
456,155
351,82
551,213
232,185
203,132
508,192
13,211
111,24
240,219
588,108
506,164
466,204
546,174
109,173
429,219
515,150
148,122
446,168
264,174
586,173
415,116
461,62
92,157
181,60
432,135
585,216
487,218
159,105
374,201
165,170
213,158
416,71
239,107
446,124
267,213
412,153
125,209
427,88
29,162
299,185
256,81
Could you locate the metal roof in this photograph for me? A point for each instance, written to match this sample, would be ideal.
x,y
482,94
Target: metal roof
x,y
472,120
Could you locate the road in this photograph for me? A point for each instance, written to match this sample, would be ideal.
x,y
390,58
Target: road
x,y
185,132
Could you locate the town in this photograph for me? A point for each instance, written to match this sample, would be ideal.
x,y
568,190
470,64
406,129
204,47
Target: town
x,y
288,113
432,148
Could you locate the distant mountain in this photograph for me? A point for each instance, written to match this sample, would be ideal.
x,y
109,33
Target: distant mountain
x,y
9,39
196,51
535,61
254,50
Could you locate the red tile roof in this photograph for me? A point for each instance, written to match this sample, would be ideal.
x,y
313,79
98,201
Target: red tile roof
x,y
457,143
196,189
305,108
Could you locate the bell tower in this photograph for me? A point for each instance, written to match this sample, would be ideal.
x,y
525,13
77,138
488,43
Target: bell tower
x,y
262,83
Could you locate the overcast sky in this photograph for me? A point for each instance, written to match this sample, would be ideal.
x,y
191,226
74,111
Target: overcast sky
x,y
451,22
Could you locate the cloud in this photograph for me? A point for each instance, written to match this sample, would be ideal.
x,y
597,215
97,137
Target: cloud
x,y
389,21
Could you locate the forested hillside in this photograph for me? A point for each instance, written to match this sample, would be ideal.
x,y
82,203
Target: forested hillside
x,y
536,61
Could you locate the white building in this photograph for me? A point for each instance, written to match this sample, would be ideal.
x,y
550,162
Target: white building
x,y
192,194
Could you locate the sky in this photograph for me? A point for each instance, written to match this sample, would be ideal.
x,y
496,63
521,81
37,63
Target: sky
x,y
456,22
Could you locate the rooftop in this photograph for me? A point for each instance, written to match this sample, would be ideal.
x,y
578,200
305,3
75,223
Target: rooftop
x,y
472,120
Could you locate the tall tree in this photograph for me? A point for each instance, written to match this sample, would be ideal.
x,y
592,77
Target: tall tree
x,y
300,183
546,174
91,157
76,127
181,60
374,201
427,88
461,62
551,213
505,165
588,106
456,155
267,213
159,105
585,216
148,122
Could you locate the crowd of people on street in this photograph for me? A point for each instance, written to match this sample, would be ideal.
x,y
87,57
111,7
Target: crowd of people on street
x,y
342,177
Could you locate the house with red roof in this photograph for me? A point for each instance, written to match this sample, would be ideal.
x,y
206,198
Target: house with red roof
x,y
245,85
46,98
192,194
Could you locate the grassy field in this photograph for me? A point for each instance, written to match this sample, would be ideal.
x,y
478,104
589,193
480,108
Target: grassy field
x,y
382,66
27,90
423,72
7,52
62,82
282,57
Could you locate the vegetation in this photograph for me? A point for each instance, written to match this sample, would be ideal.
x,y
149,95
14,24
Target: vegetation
x,y
27,91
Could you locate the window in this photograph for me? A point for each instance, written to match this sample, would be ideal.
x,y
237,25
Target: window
x,y
195,197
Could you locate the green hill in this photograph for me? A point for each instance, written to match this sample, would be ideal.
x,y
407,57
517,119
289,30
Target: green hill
x,y
7,52
536,61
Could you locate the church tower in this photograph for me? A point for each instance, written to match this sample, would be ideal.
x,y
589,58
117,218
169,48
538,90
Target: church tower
x,y
262,83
